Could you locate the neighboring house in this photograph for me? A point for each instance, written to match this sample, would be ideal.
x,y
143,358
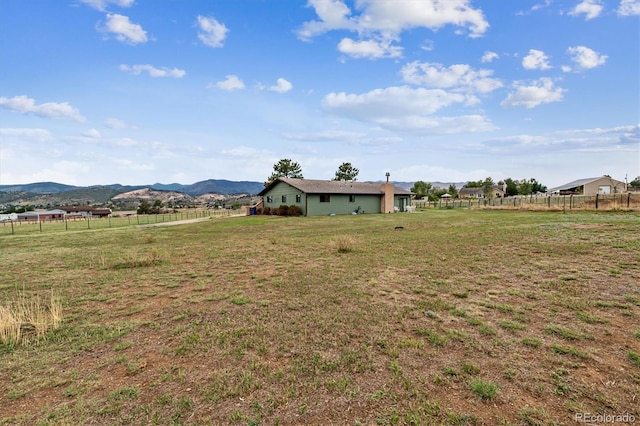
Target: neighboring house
x,y
496,192
591,186
11,217
324,197
40,216
85,211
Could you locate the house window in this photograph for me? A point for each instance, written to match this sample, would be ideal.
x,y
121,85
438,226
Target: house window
x,y
324,198
298,198
284,198
269,199
352,198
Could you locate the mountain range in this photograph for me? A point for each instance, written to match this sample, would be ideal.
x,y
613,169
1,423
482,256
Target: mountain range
x,y
211,186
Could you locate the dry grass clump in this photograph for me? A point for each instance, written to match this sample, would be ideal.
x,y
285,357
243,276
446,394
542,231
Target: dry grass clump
x,y
29,317
344,244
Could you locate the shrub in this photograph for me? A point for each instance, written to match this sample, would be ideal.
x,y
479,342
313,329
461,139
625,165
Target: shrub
x,y
283,210
259,210
294,211
266,210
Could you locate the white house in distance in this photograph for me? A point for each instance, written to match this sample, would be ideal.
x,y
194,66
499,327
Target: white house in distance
x,y
591,186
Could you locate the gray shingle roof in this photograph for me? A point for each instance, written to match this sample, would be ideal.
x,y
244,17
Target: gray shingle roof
x,y
311,186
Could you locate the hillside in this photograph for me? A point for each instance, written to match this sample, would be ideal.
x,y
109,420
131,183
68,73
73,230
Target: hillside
x,y
38,188
147,194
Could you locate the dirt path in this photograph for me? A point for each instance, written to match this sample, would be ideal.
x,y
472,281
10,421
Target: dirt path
x,y
182,222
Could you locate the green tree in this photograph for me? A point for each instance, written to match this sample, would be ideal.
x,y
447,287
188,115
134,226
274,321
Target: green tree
x,y
512,187
487,187
144,207
635,183
346,172
524,187
421,189
285,168
473,184
157,207
537,186
453,191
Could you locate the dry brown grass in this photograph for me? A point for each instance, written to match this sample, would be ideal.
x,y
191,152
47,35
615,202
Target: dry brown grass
x,y
28,318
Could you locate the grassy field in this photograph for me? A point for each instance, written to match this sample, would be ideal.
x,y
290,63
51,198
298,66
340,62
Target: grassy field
x,y
437,317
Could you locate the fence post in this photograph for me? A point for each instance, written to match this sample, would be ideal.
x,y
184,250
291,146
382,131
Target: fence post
x,y
597,201
628,200
12,232
549,201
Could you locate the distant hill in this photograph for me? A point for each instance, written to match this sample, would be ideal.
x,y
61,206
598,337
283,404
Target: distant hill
x,y
217,186
38,188
178,187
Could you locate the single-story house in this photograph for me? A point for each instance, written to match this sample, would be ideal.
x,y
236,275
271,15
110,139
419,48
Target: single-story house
x,y
41,216
591,186
325,197
496,192
86,211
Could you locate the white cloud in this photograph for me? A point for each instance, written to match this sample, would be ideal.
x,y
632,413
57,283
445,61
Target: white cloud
x,y
405,109
427,45
124,30
590,8
92,133
379,23
55,110
101,5
535,7
231,83
37,135
153,71
586,58
460,77
539,6
333,14
343,136
370,49
539,92
114,123
536,60
489,56
595,140
629,8
281,86
212,33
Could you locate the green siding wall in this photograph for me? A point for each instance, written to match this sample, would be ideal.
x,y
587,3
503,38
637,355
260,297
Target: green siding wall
x,y
340,204
282,189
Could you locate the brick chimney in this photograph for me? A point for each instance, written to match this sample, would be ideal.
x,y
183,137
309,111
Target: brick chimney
x,y
386,205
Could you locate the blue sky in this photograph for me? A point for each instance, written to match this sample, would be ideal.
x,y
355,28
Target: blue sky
x,y
143,91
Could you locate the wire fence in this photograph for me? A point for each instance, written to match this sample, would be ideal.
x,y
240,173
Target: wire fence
x,y
75,223
601,202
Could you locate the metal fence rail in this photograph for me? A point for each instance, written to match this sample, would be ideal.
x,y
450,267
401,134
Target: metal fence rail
x,y
604,202
21,227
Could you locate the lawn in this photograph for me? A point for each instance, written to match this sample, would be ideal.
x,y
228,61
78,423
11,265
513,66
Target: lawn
x,y
436,317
